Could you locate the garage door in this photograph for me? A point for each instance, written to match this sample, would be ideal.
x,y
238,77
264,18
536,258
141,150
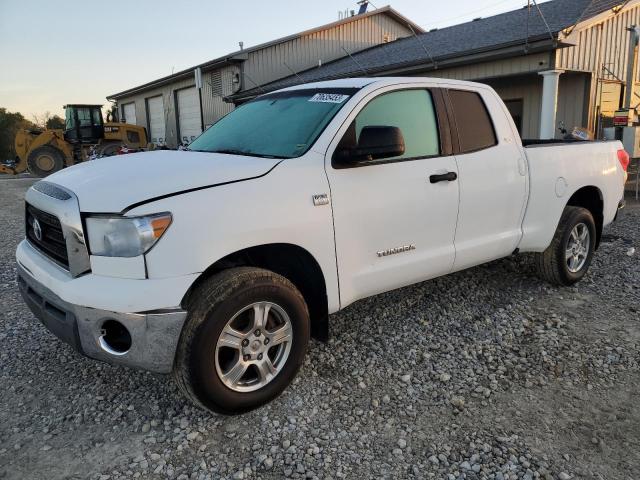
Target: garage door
x,y
155,109
188,115
129,113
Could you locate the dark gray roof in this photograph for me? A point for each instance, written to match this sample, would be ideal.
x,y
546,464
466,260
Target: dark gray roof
x,y
455,41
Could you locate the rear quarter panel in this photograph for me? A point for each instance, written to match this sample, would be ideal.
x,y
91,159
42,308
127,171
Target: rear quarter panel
x,y
558,171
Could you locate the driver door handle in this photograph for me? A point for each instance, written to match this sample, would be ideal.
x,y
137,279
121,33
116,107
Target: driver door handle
x,y
445,177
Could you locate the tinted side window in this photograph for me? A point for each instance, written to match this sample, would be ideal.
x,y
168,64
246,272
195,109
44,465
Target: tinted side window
x,y
475,129
133,137
412,111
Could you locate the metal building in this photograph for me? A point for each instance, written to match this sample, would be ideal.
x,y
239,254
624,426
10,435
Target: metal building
x,y
170,107
559,61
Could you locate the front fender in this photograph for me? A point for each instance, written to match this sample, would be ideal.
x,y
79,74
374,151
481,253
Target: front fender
x,y
213,223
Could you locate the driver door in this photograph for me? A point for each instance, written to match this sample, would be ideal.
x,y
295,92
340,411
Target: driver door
x,y
394,218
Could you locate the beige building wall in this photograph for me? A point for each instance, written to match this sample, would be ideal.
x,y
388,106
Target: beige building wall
x,y
298,54
602,51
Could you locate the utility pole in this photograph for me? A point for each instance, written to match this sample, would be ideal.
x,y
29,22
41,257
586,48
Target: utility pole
x,y
198,74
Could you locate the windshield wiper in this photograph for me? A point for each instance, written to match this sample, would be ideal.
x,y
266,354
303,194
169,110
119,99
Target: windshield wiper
x,y
231,151
247,154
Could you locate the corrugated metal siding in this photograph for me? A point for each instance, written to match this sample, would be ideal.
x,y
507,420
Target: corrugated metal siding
x,y
168,98
601,44
302,53
529,90
268,64
573,93
213,105
604,42
496,68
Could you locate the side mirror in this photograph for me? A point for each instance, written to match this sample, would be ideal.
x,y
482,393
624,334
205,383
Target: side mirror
x,y
375,142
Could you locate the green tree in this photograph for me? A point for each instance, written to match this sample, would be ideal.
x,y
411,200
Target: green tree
x,y
55,122
10,123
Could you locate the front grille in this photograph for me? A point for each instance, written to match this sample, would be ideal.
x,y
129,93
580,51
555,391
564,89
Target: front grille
x,y
51,241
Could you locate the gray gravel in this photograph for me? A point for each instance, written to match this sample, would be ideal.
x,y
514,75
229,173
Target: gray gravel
x,y
484,374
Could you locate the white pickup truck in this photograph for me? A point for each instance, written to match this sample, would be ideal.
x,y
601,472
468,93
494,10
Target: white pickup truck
x,y
217,264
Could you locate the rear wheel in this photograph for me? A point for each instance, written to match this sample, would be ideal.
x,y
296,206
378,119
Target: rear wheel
x,y
45,160
569,256
243,342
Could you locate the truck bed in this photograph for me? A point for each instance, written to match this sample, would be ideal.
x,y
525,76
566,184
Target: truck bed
x,y
557,169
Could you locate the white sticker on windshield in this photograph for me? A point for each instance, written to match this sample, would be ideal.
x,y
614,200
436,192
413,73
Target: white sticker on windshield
x,y
328,98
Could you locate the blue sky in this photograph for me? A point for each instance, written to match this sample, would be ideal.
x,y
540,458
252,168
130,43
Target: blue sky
x,y
72,51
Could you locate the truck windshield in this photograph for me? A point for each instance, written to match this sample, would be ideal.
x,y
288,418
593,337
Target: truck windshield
x,y
278,125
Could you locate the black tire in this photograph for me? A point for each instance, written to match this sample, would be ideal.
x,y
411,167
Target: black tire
x,y
109,149
45,160
552,264
213,305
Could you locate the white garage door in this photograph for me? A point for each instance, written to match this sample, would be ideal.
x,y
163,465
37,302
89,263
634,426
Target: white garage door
x,y
156,120
129,113
188,115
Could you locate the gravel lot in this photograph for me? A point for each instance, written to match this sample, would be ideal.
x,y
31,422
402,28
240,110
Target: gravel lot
x,y
484,374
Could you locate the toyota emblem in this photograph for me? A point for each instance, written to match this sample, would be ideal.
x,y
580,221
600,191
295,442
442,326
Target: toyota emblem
x,y
37,229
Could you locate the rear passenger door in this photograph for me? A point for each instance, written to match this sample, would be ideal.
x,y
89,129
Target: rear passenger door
x,y
491,175
393,226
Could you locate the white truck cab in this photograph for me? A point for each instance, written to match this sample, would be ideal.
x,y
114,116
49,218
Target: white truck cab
x,y
217,263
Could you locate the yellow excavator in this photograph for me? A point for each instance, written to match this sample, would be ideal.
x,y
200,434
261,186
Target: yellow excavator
x,y
85,136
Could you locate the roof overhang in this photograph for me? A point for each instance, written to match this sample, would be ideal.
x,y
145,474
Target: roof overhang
x,y
221,62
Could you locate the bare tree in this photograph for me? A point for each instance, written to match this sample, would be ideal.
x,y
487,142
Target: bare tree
x,y
40,120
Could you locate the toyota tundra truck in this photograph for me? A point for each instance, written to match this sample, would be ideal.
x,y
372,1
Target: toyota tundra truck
x,y
218,263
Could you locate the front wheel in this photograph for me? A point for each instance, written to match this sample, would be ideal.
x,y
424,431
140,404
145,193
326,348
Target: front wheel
x,y
569,256
45,160
244,340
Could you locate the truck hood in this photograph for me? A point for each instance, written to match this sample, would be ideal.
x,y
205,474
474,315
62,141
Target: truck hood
x,y
110,185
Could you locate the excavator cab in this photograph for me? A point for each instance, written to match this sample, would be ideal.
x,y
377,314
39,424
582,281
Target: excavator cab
x,y
83,124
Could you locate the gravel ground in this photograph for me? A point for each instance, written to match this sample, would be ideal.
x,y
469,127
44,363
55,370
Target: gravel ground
x,y
485,374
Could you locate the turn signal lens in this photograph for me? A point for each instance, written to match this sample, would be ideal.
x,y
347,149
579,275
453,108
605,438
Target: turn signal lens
x,y
623,157
160,225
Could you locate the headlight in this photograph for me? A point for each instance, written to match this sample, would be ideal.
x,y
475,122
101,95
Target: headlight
x,y
125,236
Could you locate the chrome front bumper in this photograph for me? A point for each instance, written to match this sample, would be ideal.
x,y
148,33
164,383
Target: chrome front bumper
x,y
153,336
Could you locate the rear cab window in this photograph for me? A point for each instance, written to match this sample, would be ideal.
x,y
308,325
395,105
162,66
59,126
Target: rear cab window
x,y
472,121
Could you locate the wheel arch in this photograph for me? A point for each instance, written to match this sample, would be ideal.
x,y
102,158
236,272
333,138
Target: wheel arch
x,y
292,262
590,197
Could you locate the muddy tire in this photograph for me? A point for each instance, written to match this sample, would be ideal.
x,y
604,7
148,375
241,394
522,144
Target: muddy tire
x,y
244,340
569,256
45,160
